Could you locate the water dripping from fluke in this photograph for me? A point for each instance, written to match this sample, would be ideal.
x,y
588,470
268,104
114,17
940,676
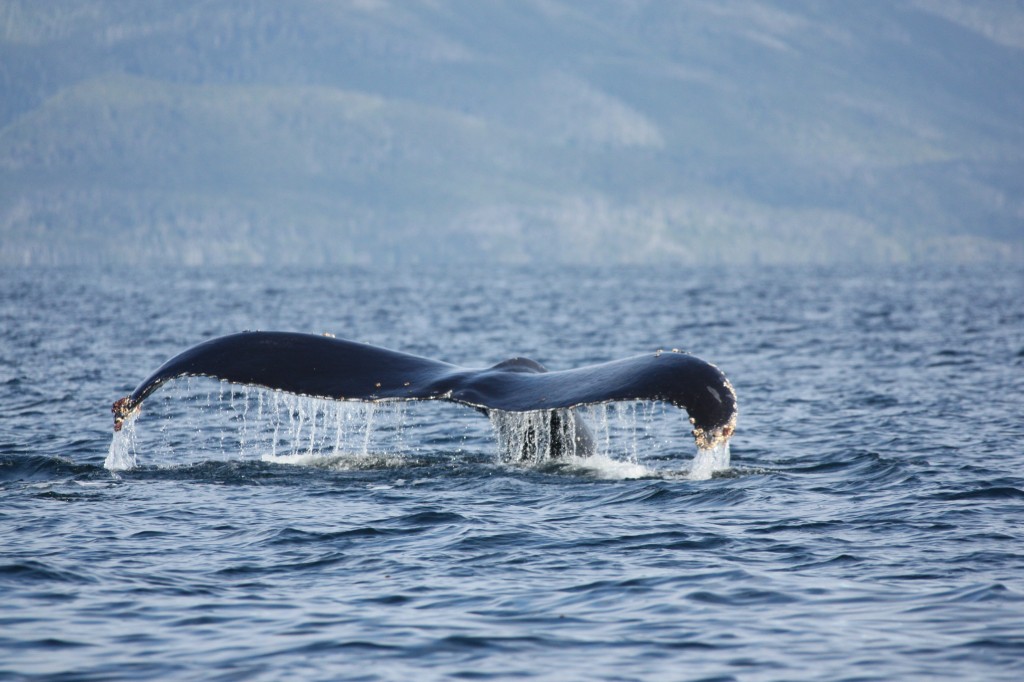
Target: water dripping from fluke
x,y
617,441
609,441
605,440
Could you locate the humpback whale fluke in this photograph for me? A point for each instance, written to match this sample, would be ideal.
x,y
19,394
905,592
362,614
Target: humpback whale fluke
x,y
338,369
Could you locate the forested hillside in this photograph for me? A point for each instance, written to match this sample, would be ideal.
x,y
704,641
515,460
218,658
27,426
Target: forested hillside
x,y
376,132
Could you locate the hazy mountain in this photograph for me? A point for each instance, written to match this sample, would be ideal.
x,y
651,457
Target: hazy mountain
x,y
564,130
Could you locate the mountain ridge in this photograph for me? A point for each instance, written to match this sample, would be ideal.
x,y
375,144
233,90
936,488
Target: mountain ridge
x,y
564,131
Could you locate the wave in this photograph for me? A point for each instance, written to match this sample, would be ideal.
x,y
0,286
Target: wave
x,y
29,468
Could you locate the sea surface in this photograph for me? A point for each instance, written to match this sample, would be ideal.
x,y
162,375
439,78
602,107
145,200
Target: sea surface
x,y
867,523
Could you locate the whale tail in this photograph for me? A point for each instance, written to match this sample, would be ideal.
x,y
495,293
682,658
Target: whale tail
x,y
338,369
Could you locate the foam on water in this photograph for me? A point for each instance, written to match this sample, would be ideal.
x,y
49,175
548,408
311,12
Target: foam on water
x,y
601,465
356,462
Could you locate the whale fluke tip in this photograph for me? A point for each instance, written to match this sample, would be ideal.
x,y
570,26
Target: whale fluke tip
x,y
122,409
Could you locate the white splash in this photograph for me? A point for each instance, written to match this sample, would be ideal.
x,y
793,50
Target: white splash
x,y
600,465
122,454
709,462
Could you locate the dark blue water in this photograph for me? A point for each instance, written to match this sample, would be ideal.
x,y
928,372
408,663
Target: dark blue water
x,y
870,526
